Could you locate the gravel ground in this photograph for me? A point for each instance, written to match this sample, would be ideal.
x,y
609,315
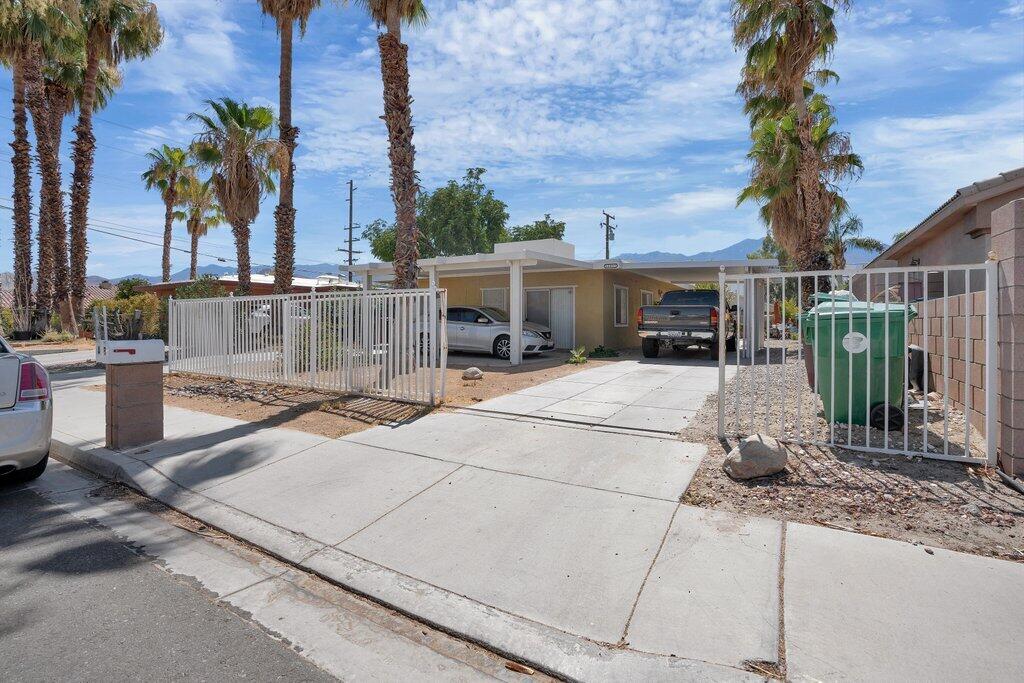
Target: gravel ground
x,y
921,500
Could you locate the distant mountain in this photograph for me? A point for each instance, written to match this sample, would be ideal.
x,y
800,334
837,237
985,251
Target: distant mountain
x,y
735,252
301,270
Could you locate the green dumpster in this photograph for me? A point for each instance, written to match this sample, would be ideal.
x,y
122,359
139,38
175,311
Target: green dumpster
x,y
851,343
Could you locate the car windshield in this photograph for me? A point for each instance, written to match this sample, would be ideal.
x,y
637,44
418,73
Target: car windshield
x,y
497,314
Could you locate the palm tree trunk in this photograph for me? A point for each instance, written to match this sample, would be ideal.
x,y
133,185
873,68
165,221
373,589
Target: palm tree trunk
x,y
56,105
81,178
810,193
22,163
240,230
36,100
170,198
194,234
284,214
394,67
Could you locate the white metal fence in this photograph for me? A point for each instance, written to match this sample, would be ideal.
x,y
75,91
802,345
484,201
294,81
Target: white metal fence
x,y
898,361
388,344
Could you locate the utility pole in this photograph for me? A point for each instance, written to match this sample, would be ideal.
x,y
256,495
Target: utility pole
x,y
609,234
351,226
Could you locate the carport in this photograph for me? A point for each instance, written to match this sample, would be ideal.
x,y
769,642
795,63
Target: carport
x,y
510,261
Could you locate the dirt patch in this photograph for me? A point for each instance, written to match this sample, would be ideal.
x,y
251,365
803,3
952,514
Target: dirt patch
x,y
328,414
73,367
920,500
78,344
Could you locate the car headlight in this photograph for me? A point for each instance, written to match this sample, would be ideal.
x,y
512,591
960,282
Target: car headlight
x,y
530,333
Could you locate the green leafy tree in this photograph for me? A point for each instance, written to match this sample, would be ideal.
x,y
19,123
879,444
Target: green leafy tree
x,y
129,287
545,228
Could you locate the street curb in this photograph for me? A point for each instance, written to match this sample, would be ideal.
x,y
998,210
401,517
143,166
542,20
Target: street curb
x,y
540,646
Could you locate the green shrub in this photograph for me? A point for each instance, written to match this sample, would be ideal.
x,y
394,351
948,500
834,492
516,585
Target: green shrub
x,y
147,303
601,352
577,356
205,287
52,336
129,287
6,321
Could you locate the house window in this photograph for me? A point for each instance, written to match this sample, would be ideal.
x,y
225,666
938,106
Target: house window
x,y
646,298
495,297
621,306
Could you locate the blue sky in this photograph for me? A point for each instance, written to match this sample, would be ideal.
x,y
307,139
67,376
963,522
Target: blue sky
x,y
572,107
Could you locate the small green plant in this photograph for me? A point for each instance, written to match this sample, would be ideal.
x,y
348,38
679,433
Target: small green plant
x,y
577,356
601,352
6,321
52,336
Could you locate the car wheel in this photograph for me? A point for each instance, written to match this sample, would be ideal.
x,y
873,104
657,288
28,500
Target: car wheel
x,y
650,347
30,473
503,347
713,351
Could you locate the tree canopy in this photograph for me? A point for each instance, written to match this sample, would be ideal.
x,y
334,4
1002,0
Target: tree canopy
x,y
461,217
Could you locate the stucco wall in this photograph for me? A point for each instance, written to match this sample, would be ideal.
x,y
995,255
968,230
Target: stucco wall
x,y
595,320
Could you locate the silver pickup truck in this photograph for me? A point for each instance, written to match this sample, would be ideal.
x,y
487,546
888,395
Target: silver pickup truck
x,y
684,318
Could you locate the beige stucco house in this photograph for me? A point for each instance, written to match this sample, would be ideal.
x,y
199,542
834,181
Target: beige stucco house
x,y
584,302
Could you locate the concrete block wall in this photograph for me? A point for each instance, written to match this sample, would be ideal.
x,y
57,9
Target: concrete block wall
x,y
966,338
1008,248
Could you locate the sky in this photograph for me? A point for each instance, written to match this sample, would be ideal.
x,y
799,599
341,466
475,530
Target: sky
x,y
572,107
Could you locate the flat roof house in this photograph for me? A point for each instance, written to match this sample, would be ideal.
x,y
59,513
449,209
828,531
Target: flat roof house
x,y
584,302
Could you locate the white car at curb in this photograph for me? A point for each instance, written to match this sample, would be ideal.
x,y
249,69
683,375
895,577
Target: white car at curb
x,y
26,415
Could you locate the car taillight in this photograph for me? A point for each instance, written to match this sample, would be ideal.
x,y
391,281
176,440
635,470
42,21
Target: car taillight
x,y
639,317
34,385
714,316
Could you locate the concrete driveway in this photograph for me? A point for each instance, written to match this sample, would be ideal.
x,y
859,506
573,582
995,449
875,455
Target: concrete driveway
x,y
648,395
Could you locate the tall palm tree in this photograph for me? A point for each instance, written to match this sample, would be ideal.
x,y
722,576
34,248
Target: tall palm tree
x,y
201,212
286,12
22,26
236,145
169,167
394,70
845,232
114,31
787,43
775,185
52,272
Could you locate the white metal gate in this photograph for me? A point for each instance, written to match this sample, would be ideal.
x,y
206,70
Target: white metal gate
x,y
887,360
389,344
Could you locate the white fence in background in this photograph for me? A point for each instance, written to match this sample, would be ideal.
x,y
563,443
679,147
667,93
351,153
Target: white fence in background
x,y
387,344
818,366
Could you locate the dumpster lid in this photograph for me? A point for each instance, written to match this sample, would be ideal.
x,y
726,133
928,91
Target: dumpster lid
x,y
835,295
859,310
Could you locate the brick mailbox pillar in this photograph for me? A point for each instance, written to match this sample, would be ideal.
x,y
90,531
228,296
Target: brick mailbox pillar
x,y
1008,245
135,391
135,404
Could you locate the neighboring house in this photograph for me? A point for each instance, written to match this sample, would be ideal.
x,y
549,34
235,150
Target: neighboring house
x,y
104,290
981,220
585,302
263,284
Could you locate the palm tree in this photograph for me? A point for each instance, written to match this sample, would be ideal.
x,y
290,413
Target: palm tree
x,y
394,70
114,31
286,12
21,28
787,43
237,146
201,213
168,169
52,272
844,232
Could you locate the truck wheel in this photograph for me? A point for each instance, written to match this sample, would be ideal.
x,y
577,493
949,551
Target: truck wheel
x,y
713,351
650,348
730,344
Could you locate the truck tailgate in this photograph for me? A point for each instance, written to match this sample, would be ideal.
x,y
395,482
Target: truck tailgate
x,y
676,317
10,376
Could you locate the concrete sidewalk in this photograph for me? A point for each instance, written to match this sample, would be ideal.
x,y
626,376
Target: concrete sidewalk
x,y
565,545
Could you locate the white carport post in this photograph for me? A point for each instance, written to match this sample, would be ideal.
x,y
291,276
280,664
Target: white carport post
x,y
515,313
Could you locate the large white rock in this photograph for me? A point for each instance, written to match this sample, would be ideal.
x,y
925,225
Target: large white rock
x,y
472,373
756,456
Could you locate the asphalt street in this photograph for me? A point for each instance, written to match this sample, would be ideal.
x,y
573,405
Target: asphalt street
x,y
78,604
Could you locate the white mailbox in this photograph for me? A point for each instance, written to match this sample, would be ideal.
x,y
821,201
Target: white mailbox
x,y
123,352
